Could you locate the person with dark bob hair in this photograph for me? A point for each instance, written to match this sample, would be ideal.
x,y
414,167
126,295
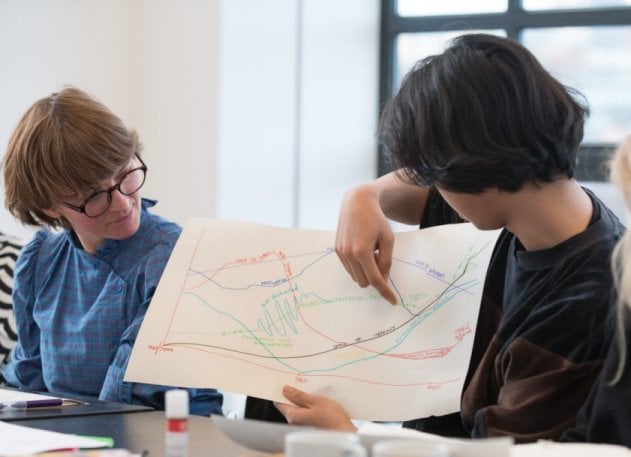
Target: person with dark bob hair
x,y
81,292
483,133
485,104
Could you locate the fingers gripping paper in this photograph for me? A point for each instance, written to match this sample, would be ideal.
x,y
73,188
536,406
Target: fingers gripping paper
x,y
248,308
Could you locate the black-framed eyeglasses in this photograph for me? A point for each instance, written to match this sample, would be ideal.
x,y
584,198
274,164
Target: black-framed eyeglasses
x,y
98,203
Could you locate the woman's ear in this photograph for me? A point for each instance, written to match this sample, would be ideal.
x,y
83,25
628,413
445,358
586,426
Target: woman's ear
x,y
51,213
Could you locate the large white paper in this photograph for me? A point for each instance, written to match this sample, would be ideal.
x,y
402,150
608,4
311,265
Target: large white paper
x,y
248,308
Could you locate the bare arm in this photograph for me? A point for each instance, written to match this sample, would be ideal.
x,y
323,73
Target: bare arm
x,y
364,238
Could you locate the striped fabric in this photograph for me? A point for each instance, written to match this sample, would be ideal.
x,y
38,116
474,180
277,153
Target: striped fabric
x,y
9,249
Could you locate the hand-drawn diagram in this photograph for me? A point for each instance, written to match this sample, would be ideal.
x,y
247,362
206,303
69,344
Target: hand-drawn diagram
x,y
248,308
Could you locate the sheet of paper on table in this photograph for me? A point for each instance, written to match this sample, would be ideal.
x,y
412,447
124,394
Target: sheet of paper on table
x,y
18,440
8,396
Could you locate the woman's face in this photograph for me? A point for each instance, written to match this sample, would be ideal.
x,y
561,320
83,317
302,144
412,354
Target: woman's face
x,y
121,219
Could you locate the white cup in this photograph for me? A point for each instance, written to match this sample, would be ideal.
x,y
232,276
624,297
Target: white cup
x,y
323,443
409,448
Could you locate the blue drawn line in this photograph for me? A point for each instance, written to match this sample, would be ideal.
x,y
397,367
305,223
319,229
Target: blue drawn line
x,y
416,319
269,283
282,360
241,324
271,260
413,322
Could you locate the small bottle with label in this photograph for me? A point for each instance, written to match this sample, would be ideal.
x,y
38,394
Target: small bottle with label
x,y
176,409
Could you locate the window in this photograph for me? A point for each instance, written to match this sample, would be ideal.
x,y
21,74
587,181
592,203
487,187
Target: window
x,y
581,42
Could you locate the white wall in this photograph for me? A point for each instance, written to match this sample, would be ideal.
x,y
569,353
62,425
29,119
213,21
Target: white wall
x,y
258,87
44,44
259,110
298,103
154,62
173,100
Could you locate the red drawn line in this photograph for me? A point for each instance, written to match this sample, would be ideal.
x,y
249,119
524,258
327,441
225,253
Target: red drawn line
x,y
249,261
461,332
177,303
429,385
286,268
421,355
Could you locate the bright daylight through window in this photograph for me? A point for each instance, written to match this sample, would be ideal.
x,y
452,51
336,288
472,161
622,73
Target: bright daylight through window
x,y
584,43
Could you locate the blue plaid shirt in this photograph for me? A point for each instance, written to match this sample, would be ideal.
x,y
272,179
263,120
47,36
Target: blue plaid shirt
x,y
78,314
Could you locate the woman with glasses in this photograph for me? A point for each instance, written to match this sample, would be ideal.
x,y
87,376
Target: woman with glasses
x,y
81,292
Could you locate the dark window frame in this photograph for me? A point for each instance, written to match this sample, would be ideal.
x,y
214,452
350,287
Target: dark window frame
x,y
592,157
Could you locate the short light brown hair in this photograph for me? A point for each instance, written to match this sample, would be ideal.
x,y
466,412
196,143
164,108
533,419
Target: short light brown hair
x,y
65,144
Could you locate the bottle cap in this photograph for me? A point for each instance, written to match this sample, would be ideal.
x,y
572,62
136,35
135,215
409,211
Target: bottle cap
x,y
176,403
